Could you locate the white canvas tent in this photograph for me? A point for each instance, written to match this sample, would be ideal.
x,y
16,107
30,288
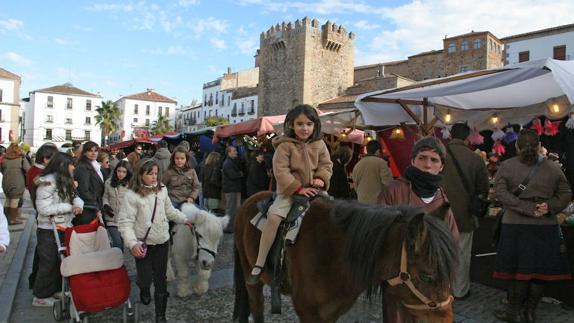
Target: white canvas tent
x,y
514,94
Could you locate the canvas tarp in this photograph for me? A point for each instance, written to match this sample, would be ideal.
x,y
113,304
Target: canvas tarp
x,y
516,93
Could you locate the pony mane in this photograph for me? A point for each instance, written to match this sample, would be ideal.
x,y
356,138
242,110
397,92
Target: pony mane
x,y
367,227
205,222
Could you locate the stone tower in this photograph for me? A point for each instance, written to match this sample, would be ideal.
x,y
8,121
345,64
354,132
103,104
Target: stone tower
x,y
303,63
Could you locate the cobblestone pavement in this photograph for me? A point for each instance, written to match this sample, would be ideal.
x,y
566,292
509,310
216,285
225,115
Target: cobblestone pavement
x,y
217,304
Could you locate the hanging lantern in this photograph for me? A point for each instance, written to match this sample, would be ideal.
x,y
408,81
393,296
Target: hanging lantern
x,y
554,106
494,119
369,136
343,136
448,117
398,134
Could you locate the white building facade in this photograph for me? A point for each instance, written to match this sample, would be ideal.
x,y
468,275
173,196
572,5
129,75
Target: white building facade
x,y
9,106
243,105
187,117
140,111
61,114
556,42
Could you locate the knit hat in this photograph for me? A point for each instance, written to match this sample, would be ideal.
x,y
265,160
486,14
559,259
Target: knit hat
x,y
429,143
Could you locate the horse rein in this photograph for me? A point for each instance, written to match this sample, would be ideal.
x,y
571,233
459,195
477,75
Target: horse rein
x,y
199,247
405,278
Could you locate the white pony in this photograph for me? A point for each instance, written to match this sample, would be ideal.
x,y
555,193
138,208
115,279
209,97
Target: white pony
x,y
199,244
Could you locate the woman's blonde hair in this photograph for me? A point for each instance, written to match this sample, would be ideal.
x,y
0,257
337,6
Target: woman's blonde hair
x,y
145,166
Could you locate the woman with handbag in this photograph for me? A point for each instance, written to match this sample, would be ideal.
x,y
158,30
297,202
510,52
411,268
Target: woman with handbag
x,y
143,224
530,251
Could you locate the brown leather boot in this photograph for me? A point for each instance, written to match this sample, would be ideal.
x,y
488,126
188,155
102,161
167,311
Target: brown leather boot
x,y
534,295
517,294
12,216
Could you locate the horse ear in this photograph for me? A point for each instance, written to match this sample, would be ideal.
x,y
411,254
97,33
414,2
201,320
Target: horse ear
x,y
442,211
224,221
190,211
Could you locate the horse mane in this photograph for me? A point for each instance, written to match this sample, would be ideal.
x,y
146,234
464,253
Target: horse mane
x,y
367,227
207,223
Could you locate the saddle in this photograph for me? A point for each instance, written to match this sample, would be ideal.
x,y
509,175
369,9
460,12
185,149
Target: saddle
x,y
286,236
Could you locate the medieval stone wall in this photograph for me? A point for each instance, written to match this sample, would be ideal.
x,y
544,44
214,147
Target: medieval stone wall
x,y
303,62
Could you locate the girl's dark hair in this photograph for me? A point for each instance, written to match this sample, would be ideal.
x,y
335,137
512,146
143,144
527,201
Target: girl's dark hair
x,y
47,150
120,155
528,144
182,150
144,166
212,158
310,113
88,145
59,166
115,181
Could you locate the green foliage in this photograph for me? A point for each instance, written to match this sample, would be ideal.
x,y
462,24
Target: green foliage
x,y
108,115
216,121
161,125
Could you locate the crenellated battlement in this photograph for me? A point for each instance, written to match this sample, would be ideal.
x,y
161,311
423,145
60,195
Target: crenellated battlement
x,y
329,30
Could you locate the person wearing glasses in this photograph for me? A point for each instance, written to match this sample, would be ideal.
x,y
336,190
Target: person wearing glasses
x,y
135,156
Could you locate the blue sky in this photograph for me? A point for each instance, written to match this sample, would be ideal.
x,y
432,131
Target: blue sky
x,y
119,48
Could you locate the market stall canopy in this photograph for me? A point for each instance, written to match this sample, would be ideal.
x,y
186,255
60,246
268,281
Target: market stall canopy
x,y
514,94
259,126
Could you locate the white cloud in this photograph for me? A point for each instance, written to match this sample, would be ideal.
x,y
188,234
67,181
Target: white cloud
x,y
365,25
62,41
169,51
219,43
186,3
113,7
17,59
10,25
421,25
247,46
209,24
322,7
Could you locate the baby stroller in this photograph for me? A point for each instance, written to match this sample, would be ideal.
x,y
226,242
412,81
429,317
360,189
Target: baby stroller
x,y
94,277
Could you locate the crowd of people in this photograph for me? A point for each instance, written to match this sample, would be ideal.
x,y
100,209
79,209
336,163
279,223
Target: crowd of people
x,y
138,194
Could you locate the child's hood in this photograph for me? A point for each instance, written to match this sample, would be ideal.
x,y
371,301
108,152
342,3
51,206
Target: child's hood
x,y
281,139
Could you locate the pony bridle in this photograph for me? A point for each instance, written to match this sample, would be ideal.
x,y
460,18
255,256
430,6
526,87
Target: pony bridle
x,y
405,278
198,238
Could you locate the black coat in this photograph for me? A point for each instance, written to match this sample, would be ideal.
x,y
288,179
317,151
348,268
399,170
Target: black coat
x,y
257,179
90,185
210,178
339,187
232,176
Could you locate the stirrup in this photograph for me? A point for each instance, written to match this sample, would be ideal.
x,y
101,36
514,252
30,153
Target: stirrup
x,y
254,279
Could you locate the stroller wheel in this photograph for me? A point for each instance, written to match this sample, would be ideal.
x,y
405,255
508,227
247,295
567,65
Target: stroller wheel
x,y
57,310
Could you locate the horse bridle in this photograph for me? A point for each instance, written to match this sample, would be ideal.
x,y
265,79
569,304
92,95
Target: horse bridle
x,y
199,247
405,278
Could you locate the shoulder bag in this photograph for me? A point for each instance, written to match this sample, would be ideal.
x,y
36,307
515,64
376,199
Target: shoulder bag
x,y
142,242
519,189
478,204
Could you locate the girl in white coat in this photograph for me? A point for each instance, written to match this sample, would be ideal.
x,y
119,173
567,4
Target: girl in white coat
x,y
55,198
143,224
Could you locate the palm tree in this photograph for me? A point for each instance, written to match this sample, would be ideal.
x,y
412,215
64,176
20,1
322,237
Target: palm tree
x,y
107,117
161,125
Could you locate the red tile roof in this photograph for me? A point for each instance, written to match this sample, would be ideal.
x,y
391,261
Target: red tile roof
x,y
150,95
67,88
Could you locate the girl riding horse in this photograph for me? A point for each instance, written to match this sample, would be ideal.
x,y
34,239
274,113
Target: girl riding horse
x,y
301,165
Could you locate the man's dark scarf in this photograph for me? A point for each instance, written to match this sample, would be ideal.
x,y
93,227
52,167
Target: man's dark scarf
x,y
424,184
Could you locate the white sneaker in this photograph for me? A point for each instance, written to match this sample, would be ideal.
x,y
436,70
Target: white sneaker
x,y
43,302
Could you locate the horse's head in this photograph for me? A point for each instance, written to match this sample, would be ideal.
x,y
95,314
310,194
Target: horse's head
x,y
421,269
374,248
208,230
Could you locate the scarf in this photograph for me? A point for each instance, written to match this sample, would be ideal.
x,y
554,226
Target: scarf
x,y
424,184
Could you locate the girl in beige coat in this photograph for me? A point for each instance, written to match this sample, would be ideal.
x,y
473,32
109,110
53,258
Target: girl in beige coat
x,y
301,165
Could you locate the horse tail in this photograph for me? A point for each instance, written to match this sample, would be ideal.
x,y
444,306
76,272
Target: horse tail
x,y
241,305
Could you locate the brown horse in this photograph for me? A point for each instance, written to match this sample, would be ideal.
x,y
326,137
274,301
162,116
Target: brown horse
x,y
344,249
